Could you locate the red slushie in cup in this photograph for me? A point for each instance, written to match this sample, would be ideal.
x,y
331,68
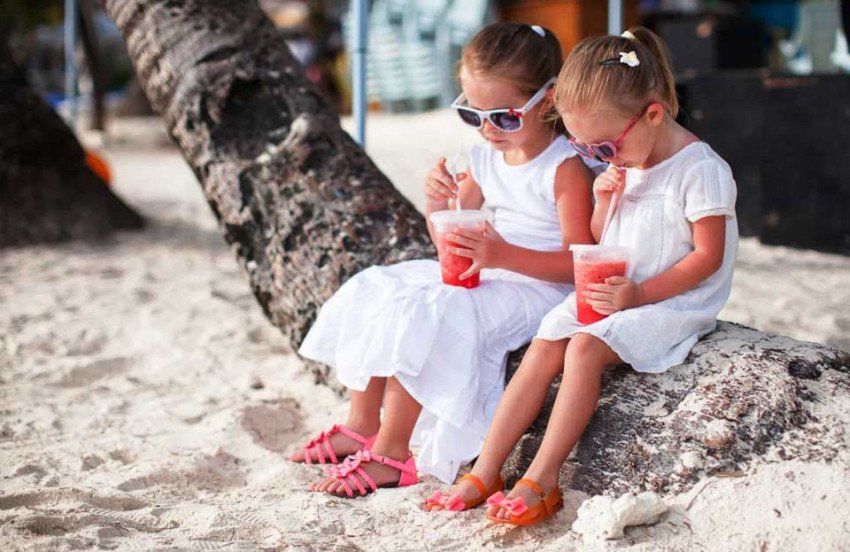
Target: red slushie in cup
x,y
592,264
451,265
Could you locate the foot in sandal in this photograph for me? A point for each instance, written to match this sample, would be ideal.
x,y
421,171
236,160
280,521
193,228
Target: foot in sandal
x,y
332,446
527,504
364,473
469,492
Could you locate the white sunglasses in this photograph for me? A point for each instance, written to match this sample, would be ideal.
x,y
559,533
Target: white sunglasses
x,y
505,119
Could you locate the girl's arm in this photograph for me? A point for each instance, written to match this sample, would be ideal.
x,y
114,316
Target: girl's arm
x,y
699,264
573,182
618,293
572,197
441,190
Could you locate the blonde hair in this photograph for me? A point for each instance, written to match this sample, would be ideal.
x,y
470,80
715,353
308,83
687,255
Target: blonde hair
x,y
585,83
516,53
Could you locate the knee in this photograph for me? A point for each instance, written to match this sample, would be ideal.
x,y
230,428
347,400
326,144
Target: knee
x,y
543,348
585,351
543,355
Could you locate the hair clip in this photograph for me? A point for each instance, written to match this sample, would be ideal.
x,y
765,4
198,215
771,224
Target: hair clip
x,y
626,58
538,29
629,35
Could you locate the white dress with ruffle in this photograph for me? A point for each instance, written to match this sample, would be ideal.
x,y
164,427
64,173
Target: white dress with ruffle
x,y
448,345
654,218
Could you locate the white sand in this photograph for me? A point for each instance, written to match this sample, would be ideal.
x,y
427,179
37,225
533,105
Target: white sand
x,y
145,401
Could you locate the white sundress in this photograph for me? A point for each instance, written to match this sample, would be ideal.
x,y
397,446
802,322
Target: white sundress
x,y
448,345
654,219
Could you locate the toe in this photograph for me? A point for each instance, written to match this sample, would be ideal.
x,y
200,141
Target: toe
x,y
324,484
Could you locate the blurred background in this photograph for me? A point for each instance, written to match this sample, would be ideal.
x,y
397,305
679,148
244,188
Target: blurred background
x,y
765,82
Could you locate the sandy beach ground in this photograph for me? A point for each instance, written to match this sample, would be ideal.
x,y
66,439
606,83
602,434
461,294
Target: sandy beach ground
x,y
146,403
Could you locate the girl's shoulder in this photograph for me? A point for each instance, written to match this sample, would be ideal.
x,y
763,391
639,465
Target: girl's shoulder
x,y
705,183
693,158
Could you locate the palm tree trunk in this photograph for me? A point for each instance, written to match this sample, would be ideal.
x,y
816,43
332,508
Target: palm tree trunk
x,y
301,203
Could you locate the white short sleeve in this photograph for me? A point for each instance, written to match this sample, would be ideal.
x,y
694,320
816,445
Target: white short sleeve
x,y
708,190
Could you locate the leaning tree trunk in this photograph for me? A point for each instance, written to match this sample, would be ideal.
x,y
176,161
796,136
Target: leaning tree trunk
x,y
305,209
302,204
47,192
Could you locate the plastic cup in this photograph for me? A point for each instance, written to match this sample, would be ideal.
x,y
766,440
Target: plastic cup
x,y
451,265
592,264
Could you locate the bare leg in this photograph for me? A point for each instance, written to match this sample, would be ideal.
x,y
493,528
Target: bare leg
x,y
400,414
585,359
518,408
364,417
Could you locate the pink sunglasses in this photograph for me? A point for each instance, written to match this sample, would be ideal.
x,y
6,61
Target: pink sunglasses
x,y
607,149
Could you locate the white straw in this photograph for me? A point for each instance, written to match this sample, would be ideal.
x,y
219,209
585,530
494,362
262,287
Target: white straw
x,y
456,168
611,208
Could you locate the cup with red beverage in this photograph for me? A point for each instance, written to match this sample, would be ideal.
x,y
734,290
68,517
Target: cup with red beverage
x,y
451,265
592,264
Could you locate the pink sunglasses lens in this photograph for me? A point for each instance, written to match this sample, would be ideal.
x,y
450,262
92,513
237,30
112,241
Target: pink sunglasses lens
x,y
605,150
582,149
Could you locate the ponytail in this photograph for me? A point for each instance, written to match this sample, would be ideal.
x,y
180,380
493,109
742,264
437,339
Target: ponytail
x,y
626,71
659,51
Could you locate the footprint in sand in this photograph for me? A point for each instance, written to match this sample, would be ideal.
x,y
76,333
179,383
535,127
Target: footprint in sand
x,y
31,469
210,473
32,499
85,342
273,426
88,373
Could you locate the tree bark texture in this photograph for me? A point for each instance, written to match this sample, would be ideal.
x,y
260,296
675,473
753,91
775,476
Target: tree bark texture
x,y
740,396
305,209
301,203
47,192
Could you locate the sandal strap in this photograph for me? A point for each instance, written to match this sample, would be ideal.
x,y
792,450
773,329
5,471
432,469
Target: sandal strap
x,y
475,480
367,478
330,449
351,433
534,486
314,447
403,467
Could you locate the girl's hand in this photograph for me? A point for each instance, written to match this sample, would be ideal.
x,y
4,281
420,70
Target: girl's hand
x,y
485,249
616,294
608,183
440,187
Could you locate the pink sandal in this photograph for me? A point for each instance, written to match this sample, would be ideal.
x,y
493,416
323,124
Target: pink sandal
x,y
324,440
351,474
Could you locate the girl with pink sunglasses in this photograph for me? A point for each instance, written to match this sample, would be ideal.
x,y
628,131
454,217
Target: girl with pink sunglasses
x,y
433,355
676,214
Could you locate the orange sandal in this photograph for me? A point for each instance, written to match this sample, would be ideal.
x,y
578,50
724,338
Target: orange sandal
x,y
441,500
520,512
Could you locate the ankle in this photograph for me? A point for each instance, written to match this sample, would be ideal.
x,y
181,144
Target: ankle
x,y
366,426
396,451
545,476
487,474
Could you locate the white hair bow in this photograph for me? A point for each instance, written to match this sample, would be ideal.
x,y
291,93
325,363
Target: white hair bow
x,y
629,58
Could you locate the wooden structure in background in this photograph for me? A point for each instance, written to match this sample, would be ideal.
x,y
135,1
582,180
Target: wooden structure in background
x,y
570,20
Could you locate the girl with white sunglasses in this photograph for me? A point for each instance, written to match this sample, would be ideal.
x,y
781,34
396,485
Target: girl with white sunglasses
x,y
432,354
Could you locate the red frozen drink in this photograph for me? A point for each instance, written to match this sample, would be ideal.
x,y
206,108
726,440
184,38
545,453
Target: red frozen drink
x,y
592,264
451,265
